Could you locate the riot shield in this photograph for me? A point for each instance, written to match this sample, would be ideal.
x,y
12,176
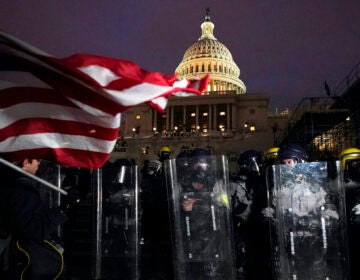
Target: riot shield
x,y
52,173
309,224
351,183
116,212
200,218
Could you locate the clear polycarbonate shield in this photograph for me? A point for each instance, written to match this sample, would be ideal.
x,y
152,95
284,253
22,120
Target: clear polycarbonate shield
x,y
309,223
116,243
200,218
52,173
351,182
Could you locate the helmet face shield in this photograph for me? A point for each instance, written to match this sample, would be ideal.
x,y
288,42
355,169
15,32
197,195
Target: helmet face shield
x,y
164,155
154,167
250,162
183,162
349,154
291,155
124,176
201,164
118,174
254,167
352,170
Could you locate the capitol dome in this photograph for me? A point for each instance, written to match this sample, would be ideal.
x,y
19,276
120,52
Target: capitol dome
x,y
209,56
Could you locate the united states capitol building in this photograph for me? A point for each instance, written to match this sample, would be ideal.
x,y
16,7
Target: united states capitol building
x,y
225,119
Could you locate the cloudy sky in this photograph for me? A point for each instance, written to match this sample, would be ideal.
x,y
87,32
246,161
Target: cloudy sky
x,y
284,48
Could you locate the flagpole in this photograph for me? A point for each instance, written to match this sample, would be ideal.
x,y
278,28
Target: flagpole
x,y
49,185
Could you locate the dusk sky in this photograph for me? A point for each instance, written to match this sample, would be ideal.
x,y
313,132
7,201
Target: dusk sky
x,y
285,49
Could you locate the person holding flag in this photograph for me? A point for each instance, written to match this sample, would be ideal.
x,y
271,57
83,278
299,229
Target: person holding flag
x,y
34,253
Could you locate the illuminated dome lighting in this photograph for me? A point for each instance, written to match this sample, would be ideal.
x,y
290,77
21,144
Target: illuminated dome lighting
x,y
209,56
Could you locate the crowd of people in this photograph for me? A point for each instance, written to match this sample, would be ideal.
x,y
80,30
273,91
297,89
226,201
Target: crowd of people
x,y
277,213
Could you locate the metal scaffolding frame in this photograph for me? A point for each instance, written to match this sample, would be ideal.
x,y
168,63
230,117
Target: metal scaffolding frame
x,y
327,125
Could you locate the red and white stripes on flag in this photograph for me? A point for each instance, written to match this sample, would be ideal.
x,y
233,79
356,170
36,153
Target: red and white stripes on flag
x,y
68,110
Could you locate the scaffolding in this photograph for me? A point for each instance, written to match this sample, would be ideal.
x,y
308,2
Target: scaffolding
x,y
327,125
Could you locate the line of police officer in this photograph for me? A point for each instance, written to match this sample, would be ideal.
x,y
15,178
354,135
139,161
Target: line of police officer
x,y
201,200
251,190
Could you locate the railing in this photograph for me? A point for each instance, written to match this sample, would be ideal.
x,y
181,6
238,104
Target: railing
x,y
220,92
321,104
310,104
348,81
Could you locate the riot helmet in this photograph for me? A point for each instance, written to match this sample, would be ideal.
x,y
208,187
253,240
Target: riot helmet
x,y
154,168
271,155
250,162
183,159
117,174
350,164
164,153
291,154
124,171
200,160
183,167
200,168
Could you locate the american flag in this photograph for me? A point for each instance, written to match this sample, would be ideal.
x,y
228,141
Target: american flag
x,y
68,110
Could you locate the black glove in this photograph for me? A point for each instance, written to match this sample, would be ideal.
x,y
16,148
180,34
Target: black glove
x,y
70,200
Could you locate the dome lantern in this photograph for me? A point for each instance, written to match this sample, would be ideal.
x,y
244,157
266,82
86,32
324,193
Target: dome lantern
x,y
207,27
